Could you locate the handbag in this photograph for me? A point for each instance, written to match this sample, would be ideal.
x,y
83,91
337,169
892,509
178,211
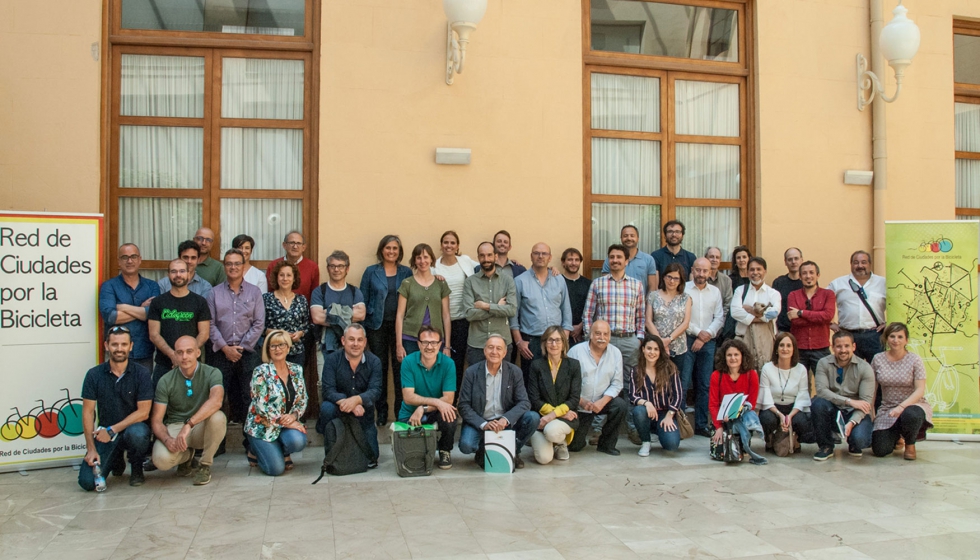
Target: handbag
x,y
784,443
730,448
684,425
414,449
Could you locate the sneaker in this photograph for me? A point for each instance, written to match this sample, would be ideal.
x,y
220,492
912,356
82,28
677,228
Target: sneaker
x,y
705,432
634,437
823,454
203,475
594,438
445,460
373,464
148,465
644,449
518,462
136,477
186,468
854,451
561,452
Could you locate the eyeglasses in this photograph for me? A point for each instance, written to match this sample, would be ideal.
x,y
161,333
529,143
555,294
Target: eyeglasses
x,y
669,231
278,346
672,278
200,239
294,243
190,392
129,258
234,265
428,343
336,266
118,329
553,341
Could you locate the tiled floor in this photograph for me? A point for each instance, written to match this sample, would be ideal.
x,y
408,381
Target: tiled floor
x,y
593,506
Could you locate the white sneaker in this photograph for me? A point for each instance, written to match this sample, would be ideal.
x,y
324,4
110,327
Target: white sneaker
x,y
561,452
644,449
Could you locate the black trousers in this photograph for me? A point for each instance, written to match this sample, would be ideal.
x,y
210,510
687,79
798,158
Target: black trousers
x,y
801,423
868,343
615,411
907,426
809,358
381,342
237,378
461,330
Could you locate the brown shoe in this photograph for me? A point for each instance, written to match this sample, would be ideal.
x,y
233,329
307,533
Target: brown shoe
x,y
899,445
909,452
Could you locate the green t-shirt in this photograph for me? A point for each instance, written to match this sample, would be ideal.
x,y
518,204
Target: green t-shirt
x,y
172,391
427,383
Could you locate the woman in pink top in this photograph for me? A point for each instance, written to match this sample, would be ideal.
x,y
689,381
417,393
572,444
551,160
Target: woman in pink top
x,y
904,411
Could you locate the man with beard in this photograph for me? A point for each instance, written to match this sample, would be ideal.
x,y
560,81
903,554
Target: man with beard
x,y
639,265
209,269
861,305
501,250
189,252
121,392
489,301
578,289
672,252
173,314
811,309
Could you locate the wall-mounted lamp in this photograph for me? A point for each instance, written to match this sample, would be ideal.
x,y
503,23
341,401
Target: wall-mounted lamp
x,y
463,16
898,41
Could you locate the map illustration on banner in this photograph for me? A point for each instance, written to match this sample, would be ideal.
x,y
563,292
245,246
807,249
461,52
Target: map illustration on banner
x,y
932,288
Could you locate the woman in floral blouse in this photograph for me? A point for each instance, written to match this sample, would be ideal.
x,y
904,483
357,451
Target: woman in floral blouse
x,y
904,410
278,401
287,310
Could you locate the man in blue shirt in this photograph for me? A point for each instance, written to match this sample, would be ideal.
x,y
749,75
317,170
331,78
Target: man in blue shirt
x,y
542,301
428,389
125,299
639,265
672,252
337,291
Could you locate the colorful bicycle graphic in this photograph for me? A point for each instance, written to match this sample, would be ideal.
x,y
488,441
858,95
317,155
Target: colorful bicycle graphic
x,y
64,416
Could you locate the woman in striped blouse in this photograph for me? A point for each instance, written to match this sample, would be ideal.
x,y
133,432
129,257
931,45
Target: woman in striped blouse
x,y
656,396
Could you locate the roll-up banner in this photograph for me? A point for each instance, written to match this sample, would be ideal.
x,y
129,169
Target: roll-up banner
x,y
49,334
931,273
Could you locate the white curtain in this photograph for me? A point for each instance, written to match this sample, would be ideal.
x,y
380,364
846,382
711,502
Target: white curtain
x,y
158,225
709,227
706,108
967,127
262,158
967,183
629,103
707,171
608,220
162,86
161,157
266,220
253,88
625,167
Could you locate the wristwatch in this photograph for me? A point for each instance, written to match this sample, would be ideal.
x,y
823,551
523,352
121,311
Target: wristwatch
x,y
110,431
188,423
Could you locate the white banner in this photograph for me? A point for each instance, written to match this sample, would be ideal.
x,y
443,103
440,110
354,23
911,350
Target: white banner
x,y
49,334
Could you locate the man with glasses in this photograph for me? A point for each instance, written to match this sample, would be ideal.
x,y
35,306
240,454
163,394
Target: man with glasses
x,y
294,244
672,252
121,392
239,319
209,269
846,385
542,301
125,300
347,298
861,305
788,283
189,252
811,310
175,313
639,265
187,414
428,389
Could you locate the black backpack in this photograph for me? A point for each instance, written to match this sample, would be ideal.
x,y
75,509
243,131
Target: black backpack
x,y
347,450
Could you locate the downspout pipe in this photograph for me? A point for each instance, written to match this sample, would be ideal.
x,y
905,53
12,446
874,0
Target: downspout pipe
x,y
879,145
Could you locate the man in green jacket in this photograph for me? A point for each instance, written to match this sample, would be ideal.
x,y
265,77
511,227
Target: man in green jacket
x,y
489,301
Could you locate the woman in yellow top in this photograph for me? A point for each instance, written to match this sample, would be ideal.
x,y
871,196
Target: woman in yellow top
x,y
554,388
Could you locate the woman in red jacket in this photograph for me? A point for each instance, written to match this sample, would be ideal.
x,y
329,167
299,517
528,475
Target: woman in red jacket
x,y
734,374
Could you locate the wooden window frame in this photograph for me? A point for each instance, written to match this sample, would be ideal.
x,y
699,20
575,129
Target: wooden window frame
x,y
214,48
669,70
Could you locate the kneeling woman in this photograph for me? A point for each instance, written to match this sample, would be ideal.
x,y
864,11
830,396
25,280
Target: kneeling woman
x,y
554,388
734,374
278,401
904,410
656,395
784,393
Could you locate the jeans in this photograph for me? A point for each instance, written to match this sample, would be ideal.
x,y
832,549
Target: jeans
x,y
476,355
534,345
134,440
629,347
743,426
669,441
907,426
206,436
329,411
460,330
471,437
801,423
615,411
823,415
447,430
271,455
868,344
699,366
381,342
237,377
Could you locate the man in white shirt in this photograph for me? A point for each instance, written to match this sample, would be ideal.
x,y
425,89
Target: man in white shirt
x,y
707,319
602,381
861,305
755,307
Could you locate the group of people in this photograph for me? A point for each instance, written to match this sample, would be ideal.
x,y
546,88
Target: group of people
x,y
448,333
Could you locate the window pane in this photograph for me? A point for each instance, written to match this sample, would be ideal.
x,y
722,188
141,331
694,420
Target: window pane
x,y
625,103
262,158
665,30
709,227
967,127
265,17
158,225
625,167
266,220
254,88
966,59
608,219
706,108
707,171
161,157
162,86
967,183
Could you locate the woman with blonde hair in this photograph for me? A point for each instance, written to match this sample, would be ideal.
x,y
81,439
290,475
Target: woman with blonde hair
x,y
554,388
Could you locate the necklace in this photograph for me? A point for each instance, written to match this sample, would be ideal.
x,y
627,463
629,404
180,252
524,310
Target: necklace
x,y
789,373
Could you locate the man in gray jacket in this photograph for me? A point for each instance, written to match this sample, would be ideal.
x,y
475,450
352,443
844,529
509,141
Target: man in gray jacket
x,y
845,384
489,301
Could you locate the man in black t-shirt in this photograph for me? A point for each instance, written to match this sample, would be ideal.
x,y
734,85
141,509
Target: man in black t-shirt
x,y
174,314
787,284
578,289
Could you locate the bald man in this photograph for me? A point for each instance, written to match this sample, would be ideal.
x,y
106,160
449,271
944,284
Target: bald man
x,y
542,301
211,270
707,320
602,382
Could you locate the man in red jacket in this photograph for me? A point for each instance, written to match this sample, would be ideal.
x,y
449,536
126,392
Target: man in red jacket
x,y
811,309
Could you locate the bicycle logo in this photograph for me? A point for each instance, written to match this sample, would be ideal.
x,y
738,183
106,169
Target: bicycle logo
x,y
62,417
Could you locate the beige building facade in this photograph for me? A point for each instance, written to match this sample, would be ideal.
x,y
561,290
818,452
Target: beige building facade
x,y
374,107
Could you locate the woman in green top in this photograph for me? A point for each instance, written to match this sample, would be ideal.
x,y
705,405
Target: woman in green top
x,y
423,299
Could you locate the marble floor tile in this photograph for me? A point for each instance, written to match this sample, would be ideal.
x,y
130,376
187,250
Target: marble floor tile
x,y
545,554
796,539
678,547
850,533
298,550
731,542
